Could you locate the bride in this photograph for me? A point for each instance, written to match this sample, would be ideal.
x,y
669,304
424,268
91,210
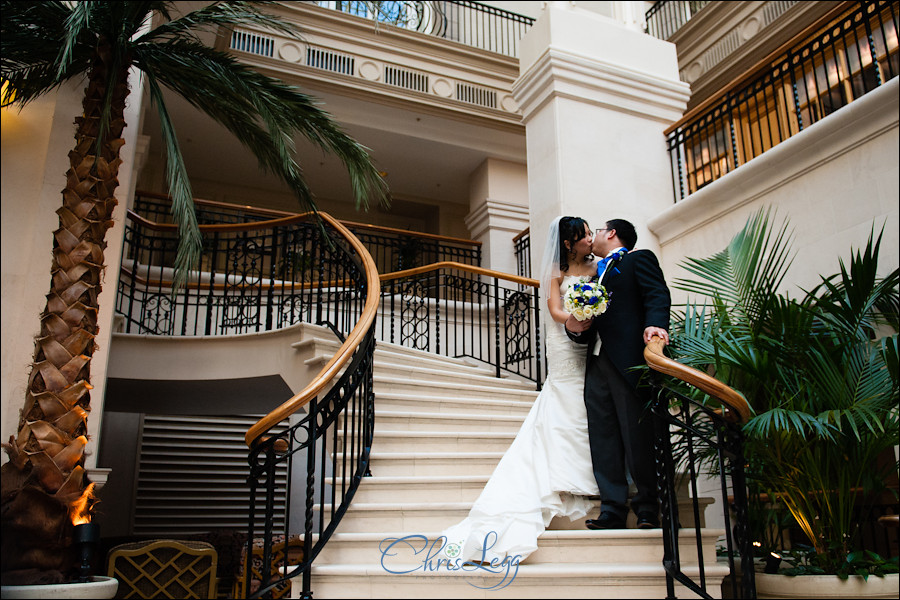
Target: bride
x,y
547,470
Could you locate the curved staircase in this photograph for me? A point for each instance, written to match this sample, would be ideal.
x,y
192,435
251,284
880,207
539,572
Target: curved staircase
x,y
441,426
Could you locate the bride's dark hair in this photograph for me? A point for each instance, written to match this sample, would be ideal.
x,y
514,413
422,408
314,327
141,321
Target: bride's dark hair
x,y
571,229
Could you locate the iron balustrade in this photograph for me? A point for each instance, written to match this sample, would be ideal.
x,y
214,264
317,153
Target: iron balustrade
x,y
463,312
688,430
327,455
391,249
844,59
668,16
522,250
253,277
470,23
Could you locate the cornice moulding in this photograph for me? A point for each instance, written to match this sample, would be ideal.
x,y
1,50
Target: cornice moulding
x,y
559,73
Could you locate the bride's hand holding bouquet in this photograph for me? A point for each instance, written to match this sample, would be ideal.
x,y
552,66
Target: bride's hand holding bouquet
x,y
586,299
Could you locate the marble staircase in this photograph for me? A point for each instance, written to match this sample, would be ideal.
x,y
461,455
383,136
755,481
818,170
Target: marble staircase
x,y
441,426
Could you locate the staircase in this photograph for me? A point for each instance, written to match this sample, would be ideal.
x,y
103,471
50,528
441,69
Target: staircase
x,y
441,426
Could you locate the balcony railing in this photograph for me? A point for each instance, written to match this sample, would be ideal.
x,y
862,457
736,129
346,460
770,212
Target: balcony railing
x,y
668,16
522,249
834,62
391,249
470,23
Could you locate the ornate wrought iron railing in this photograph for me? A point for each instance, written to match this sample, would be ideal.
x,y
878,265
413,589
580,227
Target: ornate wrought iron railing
x,y
685,427
840,58
668,16
391,249
470,23
458,310
326,451
522,249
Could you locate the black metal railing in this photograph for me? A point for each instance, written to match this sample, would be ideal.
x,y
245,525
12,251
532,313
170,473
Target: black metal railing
x,y
391,249
470,23
327,455
690,431
668,16
458,311
844,59
522,250
255,277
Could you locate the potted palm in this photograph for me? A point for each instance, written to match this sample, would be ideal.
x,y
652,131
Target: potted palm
x,y
821,375
45,44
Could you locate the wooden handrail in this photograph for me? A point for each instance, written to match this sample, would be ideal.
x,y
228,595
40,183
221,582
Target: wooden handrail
x,y
227,227
737,409
343,354
455,265
752,71
278,214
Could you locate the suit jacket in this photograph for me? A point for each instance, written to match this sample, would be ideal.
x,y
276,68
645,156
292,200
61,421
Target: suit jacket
x,y
639,298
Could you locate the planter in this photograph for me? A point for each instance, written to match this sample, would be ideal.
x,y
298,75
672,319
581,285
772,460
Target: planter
x,y
826,586
98,587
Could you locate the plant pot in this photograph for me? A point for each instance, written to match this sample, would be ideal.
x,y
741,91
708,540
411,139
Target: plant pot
x,y
826,586
98,587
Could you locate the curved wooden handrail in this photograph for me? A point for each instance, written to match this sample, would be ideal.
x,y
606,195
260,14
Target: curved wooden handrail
x,y
343,354
455,265
737,409
250,226
279,214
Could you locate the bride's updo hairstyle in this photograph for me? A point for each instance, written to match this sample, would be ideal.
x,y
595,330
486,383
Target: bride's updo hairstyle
x,y
571,229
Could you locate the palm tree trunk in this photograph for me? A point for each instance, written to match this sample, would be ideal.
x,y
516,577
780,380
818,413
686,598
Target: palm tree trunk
x,y
45,476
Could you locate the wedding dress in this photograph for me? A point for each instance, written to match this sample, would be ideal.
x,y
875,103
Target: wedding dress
x,y
546,472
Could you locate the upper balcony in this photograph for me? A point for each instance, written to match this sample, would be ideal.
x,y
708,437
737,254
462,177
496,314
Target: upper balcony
x,y
454,56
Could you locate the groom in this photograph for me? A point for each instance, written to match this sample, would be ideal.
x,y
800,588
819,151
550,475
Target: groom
x,y
620,430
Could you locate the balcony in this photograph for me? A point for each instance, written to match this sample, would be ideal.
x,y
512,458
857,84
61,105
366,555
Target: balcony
x,y
848,53
458,56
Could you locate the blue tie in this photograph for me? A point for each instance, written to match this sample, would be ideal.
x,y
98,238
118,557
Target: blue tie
x,y
613,258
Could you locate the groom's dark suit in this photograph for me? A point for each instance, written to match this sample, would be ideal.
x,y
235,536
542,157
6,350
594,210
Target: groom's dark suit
x,y
620,432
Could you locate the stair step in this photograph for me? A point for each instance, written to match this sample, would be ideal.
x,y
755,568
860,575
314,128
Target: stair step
x,y
581,547
460,388
412,464
417,421
437,515
455,488
441,441
530,581
450,404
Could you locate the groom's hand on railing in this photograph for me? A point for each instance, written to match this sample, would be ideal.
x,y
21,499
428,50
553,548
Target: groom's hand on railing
x,y
649,332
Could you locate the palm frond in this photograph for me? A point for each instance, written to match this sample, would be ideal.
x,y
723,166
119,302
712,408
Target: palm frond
x,y
221,14
190,242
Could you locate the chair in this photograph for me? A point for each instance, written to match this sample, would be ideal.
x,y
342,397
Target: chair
x,y
294,548
164,569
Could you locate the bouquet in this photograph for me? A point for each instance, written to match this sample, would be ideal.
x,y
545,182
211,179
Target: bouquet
x,y
586,299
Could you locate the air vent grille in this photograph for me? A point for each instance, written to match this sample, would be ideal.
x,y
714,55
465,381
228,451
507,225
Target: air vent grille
x,y
476,95
405,79
330,61
253,43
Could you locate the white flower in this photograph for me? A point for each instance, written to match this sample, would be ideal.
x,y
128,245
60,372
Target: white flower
x,y
586,299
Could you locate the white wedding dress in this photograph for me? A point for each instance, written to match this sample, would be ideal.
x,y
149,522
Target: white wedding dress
x,y
545,473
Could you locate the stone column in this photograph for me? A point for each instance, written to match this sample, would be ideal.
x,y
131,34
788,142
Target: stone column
x,y
498,210
596,97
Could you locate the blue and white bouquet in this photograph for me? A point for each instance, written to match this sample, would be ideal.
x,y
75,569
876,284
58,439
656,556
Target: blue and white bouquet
x,y
586,299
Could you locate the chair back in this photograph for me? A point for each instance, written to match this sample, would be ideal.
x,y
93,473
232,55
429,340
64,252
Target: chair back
x,y
293,548
164,569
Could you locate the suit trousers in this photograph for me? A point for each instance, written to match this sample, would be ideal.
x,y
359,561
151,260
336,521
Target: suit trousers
x,y
621,434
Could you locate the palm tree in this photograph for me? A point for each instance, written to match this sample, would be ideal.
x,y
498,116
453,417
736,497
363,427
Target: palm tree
x,y
820,373
43,45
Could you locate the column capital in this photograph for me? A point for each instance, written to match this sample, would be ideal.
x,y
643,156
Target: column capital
x,y
560,73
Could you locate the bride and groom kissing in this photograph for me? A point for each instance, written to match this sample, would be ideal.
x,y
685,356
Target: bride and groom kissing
x,y
588,427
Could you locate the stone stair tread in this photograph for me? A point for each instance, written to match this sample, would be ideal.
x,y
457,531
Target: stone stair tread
x,y
475,402
549,534
456,386
396,414
525,570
